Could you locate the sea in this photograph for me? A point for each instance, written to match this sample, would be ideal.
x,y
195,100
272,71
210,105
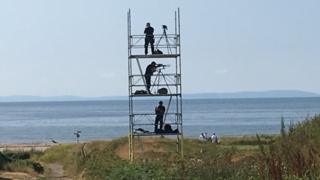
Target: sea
x,y
42,122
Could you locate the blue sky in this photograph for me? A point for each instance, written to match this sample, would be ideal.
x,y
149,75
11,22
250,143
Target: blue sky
x,y
78,47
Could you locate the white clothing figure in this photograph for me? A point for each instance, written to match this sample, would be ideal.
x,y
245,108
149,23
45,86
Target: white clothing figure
x,y
206,136
214,138
202,137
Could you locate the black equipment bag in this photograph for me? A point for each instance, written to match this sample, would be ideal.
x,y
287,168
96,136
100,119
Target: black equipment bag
x,y
163,91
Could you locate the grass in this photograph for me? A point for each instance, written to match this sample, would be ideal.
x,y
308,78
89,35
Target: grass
x,y
16,161
294,154
203,160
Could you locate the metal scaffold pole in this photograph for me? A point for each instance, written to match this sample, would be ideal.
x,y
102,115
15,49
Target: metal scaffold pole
x,y
130,135
165,85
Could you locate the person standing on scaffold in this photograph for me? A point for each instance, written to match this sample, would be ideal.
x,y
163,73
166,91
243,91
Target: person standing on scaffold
x,y
151,68
149,39
160,110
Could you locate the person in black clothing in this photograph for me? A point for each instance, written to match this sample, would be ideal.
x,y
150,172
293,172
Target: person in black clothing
x,y
149,39
151,68
160,110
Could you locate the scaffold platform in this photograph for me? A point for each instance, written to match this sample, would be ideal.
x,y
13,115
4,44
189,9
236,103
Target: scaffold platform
x,y
150,56
156,134
153,95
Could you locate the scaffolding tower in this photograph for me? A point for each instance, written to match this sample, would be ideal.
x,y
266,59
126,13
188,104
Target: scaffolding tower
x,y
165,84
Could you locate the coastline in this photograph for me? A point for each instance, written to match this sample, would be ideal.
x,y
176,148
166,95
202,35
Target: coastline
x,y
44,146
25,147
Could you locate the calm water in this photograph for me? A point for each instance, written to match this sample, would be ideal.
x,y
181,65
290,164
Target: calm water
x,y
38,122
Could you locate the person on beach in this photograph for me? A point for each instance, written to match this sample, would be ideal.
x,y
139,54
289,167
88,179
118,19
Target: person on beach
x,y
202,137
149,39
151,68
206,136
159,110
214,138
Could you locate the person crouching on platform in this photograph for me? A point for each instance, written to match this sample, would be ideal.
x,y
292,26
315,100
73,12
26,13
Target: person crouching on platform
x,y
160,110
149,39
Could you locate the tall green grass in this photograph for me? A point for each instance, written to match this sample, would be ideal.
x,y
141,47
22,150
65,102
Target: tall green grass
x,y
294,155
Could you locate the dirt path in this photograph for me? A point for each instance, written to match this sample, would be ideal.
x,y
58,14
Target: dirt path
x,y
15,175
55,171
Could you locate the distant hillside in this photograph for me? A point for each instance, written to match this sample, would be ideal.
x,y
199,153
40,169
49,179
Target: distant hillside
x,y
57,98
248,94
260,94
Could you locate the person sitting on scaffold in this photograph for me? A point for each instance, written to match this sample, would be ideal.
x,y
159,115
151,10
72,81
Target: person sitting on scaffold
x,y
149,39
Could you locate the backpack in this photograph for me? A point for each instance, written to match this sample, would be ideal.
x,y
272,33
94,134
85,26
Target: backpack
x,y
163,91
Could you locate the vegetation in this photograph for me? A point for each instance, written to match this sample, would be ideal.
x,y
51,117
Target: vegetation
x,y
20,162
294,154
231,159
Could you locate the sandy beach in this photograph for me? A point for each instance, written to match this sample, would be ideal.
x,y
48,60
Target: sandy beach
x,y
25,147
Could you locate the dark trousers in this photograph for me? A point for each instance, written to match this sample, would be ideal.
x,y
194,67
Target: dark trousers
x,y
148,82
147,41
159,118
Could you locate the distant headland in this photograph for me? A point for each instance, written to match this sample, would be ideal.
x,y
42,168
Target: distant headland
x,y
209,95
